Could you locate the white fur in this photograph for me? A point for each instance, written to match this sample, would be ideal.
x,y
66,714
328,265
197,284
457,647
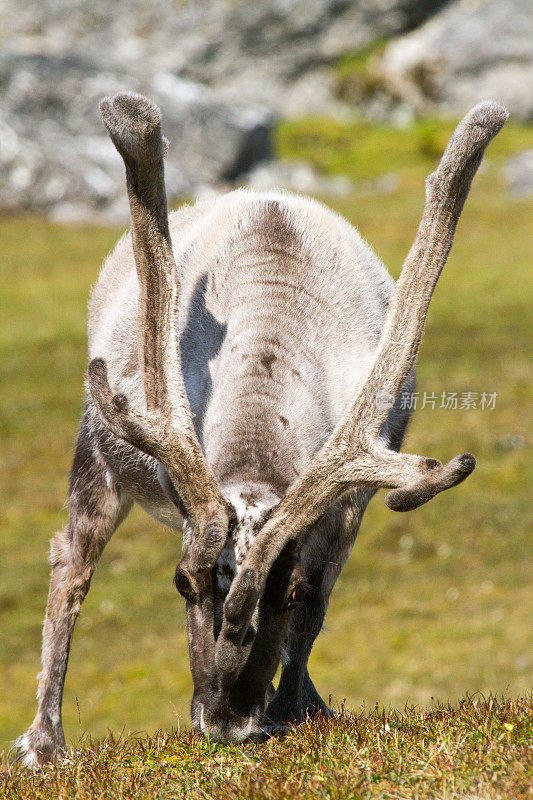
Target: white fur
x,y
25,754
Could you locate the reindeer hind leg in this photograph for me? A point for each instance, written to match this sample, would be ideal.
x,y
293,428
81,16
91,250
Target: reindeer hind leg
x,y
97,507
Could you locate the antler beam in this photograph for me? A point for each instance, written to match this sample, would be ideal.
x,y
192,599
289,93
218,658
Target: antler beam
x,y
353,456
165,431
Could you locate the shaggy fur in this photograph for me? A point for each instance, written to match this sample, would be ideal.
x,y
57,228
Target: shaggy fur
x,y
240,352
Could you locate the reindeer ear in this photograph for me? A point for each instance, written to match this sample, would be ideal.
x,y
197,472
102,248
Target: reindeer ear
x,y
169,489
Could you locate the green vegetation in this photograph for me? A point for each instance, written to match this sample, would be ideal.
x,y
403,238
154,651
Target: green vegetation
x,y
479,750
358,75
363,151
359,61
433,604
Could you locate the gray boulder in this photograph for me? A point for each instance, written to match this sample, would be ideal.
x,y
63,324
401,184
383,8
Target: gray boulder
x,y
214,67
278,52
297,176
221,70
55,154
471,50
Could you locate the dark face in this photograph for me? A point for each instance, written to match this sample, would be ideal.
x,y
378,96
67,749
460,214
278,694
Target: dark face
x,y
231,707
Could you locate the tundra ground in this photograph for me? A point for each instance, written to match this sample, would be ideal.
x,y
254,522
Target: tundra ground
x,y
478,750
433,604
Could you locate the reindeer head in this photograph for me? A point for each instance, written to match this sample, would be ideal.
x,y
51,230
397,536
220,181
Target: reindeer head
x,y
240,599
229,705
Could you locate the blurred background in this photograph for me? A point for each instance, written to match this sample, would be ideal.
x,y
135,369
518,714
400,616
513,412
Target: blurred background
x,y
353,102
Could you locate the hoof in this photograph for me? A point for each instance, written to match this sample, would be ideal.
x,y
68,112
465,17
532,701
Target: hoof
x,y
35,748
312,712
271,729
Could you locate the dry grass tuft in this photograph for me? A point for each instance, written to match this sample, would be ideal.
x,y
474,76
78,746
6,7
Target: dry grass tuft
x,y
480,749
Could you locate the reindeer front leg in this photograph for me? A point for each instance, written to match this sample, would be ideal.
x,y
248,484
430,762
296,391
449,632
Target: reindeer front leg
x,y
323,558
96,508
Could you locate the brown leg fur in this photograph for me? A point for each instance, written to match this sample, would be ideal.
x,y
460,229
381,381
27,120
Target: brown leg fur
x,y
96,509
296,698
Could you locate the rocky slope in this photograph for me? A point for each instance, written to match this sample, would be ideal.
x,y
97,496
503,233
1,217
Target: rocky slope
x,y
273,50
472,50
55,156
221,71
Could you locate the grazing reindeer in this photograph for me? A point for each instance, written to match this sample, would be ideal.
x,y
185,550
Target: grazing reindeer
x,y
247,356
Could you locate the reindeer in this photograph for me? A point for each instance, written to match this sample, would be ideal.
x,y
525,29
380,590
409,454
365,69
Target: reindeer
x,y
246,359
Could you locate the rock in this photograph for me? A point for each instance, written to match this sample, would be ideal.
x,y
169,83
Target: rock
x,y
470,51
278,51
55,152
215,139
518,173
221,70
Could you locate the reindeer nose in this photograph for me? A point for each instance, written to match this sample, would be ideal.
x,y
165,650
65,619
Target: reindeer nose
x,y
226,730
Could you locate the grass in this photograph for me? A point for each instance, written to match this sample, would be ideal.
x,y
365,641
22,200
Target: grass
x,y
479,750
357,74
433,603
362,150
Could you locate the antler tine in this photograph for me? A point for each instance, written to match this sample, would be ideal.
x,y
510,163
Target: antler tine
x,y
353,455
165,431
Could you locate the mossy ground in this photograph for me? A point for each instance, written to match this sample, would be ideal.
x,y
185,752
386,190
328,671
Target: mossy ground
x,y
480,750
433,604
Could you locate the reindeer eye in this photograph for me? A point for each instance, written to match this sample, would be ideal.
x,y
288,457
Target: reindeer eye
x,y
183,584
296,597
